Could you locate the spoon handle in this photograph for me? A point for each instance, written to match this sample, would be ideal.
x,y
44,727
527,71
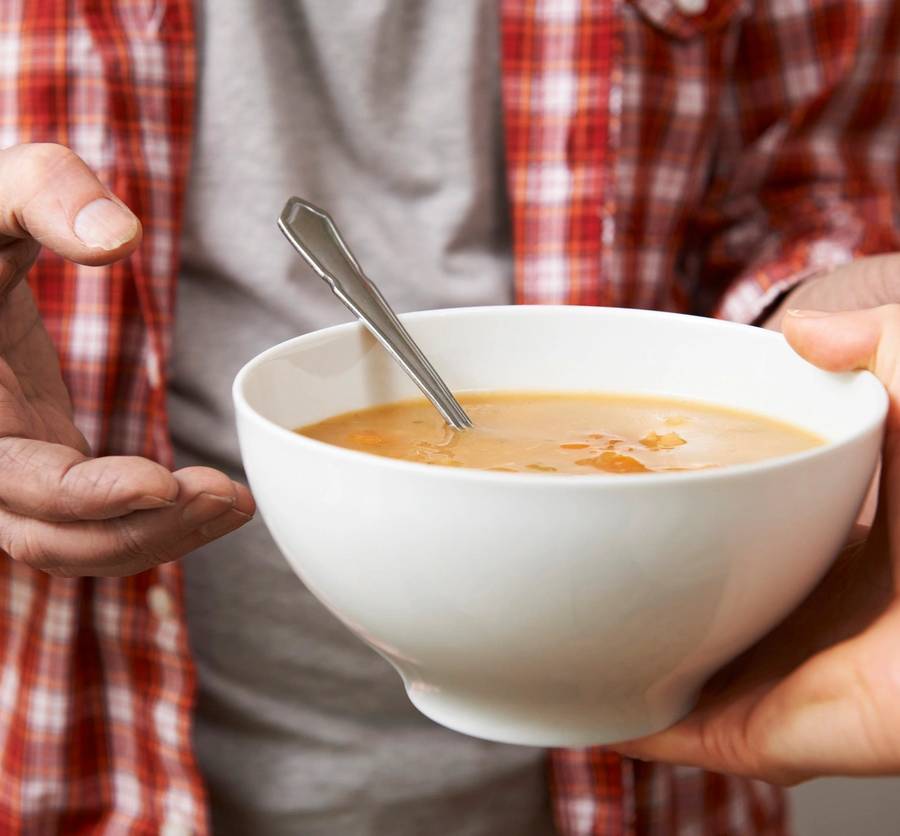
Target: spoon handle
x,y
314,235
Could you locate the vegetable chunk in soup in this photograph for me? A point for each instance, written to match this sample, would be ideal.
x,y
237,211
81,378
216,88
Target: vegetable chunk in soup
x,y
566,433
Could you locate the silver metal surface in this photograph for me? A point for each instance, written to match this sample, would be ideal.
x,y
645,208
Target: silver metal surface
x,y
314,235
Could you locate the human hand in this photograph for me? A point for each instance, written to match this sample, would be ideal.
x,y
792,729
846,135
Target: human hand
x,y
820,695
61,510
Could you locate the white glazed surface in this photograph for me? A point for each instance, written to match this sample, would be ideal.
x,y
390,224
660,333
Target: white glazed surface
x,y
542,609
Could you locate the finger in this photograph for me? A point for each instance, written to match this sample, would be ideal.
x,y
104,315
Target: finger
x,y
58,483
850,693
866,339
244,499
243,511
49,194
864,283
209,505
715,734
729,742
840,341
835,715
680,744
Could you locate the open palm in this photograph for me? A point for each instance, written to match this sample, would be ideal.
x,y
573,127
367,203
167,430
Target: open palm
x,y
60,509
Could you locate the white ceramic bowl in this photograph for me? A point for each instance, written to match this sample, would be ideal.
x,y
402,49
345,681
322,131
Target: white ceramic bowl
x,y
542,609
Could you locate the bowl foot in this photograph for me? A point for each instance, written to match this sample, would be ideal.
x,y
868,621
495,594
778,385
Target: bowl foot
x,y
546,726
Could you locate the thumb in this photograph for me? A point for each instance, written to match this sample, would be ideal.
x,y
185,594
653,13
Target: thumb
x,y
865,339
843,341
49,194
838,342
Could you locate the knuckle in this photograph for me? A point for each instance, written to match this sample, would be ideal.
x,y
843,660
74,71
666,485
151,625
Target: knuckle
x,y
132,546
79,484
738,746
41,173
208,480
129,543
47,158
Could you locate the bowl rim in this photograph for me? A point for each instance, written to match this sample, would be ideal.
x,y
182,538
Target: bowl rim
x,y
243,409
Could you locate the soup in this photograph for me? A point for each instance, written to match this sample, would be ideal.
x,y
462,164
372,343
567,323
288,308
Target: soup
x,y
566,433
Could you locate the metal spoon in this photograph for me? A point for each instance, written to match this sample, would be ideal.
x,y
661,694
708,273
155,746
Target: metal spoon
x,y
314,235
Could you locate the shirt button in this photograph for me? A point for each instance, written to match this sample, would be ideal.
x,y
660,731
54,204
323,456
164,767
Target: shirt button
x,y
160,602
691,7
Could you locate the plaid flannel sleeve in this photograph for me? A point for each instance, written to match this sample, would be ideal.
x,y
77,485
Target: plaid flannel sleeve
x,y
807,172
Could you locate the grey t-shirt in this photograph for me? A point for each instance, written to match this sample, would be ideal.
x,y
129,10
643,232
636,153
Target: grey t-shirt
x,y
387,113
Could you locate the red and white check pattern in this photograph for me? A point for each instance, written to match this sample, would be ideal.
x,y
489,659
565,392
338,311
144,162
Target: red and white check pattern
x,y
696,162
656,158
700,163
96,687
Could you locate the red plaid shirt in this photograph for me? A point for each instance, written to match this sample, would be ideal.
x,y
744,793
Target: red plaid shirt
x,y
657,158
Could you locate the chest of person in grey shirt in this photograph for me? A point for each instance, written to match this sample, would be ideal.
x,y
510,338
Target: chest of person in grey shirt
x,y
387,113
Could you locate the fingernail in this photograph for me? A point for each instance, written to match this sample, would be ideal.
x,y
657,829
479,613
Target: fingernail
x,y
150,503
800,314
105,225
205,507
224,524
